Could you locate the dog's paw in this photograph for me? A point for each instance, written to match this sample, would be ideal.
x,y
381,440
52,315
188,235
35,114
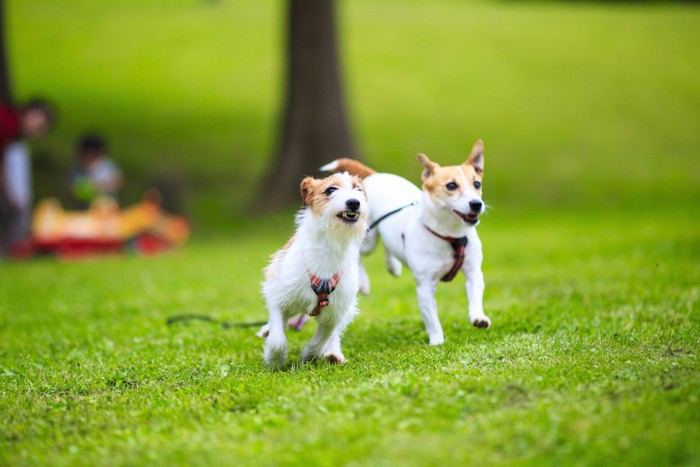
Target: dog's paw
x,y
308,355
482,321
364,281
335,358
437,340
364,289
275,357
263,332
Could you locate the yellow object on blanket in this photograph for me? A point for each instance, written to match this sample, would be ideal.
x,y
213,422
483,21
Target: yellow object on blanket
x,y
105,221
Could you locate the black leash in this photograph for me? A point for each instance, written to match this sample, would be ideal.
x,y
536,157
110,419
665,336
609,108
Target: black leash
x,y
389,214
225,324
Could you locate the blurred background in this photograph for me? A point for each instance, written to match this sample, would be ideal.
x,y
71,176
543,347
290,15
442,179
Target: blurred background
x,y
581,105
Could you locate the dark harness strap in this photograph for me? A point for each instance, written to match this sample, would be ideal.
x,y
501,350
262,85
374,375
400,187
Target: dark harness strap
x,y
389,214
322,288
458,244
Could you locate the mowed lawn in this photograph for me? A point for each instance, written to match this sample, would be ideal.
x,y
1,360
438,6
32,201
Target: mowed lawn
x,y
590,114
591,359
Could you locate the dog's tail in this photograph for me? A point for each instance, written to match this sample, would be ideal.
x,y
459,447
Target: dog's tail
x,y
349,165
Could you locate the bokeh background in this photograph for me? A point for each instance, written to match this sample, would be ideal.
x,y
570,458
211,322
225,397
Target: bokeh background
x,y
590,113
581,105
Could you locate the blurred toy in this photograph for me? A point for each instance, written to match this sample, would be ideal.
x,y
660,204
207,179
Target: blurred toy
x,y
105,228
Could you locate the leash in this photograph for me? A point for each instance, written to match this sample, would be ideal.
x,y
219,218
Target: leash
x,y
294,323
389,214
224,324
458,244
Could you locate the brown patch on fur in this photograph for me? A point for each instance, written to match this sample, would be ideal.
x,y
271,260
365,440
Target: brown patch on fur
x,y
313,191
353,167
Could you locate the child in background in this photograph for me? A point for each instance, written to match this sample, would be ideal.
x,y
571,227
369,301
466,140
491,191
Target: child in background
x,y
17,124
95,174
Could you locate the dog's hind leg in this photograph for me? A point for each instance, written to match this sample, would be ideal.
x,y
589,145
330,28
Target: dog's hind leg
x,y
364,280
393,265
276,341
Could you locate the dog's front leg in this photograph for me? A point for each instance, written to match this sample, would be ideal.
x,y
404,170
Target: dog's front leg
x,y
316,346
276,341
428,309
475,295
332,352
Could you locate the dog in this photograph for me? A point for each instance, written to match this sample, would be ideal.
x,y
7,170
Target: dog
x,y
317,271
432,231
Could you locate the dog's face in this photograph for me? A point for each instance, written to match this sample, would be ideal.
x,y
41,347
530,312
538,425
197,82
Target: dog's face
x,y
457,187
339,199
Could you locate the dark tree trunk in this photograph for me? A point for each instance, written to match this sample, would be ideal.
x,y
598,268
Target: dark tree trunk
x,y
5,87
314,127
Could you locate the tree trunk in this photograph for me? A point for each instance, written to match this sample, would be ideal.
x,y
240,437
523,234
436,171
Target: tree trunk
x,y
314,127
5,88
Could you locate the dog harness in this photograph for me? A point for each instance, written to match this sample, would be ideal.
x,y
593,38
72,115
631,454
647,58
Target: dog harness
x,y
458,244
322,288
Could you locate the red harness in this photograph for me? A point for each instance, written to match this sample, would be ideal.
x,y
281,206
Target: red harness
x,y
322,288
458,244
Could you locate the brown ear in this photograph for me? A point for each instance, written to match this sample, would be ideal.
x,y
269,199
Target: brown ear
x,y
429,165
307,189
476,158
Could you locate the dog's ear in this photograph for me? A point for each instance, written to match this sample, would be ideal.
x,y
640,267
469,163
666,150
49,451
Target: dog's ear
x,y
306,188
476,158
429,165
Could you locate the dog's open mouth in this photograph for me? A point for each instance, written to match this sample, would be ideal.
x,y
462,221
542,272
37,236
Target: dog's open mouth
x,y
470,218
349,216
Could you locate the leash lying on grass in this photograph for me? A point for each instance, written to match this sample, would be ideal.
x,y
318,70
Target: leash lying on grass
x,y
294,323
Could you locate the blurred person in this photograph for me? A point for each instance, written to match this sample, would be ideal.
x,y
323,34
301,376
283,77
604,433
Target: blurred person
x,y
95,174
32,120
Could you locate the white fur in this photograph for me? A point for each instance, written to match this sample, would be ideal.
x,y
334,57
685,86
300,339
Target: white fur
x,y
326,246
407,241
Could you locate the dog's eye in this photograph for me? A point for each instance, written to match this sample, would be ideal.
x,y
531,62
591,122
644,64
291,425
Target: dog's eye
x,y
452,186
329,191
477,184
358,188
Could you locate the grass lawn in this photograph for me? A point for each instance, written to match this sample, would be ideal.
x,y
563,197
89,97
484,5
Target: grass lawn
x,y
591,359
590,113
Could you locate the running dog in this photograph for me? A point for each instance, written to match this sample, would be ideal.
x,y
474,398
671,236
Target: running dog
x,y
432,232
317,271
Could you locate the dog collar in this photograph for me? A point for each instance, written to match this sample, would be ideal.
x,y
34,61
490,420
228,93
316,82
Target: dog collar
x,y
458,245
322,288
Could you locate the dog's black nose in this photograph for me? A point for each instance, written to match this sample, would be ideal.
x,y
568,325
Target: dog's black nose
x,y
353,204
475,205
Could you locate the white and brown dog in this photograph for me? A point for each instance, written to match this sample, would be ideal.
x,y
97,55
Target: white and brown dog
x,y
432,232
317,271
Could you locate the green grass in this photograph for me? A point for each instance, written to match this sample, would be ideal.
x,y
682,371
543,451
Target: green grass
x,y
590,113
591,359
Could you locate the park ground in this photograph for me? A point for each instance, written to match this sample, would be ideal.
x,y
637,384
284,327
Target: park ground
x,y
590,113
